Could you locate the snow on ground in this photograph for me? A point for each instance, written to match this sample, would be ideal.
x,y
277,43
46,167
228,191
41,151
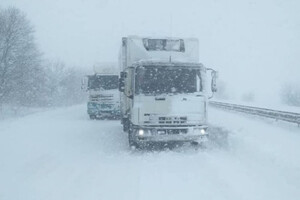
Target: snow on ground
x,y
61,154
8,111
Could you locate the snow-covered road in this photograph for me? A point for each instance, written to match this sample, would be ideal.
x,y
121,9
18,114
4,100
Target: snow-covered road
x,y
61,154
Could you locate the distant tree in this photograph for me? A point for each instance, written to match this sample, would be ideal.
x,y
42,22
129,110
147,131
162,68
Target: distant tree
x,y
222,93
20,60
290,94
72,87
63,84
248,97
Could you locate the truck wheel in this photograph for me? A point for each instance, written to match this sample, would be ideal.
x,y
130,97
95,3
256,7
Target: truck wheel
x,y
126,124
132,143
199,145
92,117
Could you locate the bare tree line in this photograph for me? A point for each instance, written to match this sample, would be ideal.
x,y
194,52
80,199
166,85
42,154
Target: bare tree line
x,y
26,78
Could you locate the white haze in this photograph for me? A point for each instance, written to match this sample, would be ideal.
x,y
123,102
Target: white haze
x,y
254,44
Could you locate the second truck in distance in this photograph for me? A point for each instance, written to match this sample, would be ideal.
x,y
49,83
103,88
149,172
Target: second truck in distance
x,y
104,97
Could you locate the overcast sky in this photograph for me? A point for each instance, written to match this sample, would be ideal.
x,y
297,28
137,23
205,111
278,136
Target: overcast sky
x,y
254,44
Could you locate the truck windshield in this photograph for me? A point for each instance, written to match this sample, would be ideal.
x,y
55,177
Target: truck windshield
x,y
160,80
105,82
163,45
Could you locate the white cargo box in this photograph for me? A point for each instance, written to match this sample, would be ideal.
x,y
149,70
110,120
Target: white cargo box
x,y
166,49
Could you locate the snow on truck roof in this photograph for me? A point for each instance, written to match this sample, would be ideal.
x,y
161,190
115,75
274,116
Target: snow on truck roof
x,y
167,64
106,68
135,48
161,37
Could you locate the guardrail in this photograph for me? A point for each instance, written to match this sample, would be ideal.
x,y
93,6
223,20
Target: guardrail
x,y
269,113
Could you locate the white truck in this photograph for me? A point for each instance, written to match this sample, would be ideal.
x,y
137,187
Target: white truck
x,y
104,97
163,91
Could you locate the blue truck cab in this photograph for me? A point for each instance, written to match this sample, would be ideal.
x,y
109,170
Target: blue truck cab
x,y
104,98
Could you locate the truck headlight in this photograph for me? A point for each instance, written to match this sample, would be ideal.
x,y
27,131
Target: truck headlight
x,y
202,131
141,132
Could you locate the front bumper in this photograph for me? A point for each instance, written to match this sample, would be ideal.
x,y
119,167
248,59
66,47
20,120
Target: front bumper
x,y
170,134
174,138
98,109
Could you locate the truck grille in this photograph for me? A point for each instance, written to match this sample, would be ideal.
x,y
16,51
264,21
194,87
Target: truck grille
x,y
167,120
172,120
171,131
106,99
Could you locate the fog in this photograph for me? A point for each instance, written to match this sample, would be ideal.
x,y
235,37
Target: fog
x,y
68,132
254,44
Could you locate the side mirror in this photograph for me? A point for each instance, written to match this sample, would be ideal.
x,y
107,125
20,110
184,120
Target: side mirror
x,y
83,84
122,81
121,85
214,76
123,75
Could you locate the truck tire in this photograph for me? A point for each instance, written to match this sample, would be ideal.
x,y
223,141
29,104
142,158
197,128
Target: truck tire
x,y
92,117
132,143
126,125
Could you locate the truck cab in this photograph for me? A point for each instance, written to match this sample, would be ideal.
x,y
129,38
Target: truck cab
x,y
164,96
104,97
